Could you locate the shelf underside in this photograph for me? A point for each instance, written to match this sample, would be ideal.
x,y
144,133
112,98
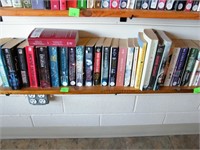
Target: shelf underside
x,y
103,13
96,90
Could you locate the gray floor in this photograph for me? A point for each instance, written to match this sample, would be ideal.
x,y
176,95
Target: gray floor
x,y
155,142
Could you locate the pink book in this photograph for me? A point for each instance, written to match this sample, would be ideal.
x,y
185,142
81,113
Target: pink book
x,y
63,4
54,4
123,49
31,64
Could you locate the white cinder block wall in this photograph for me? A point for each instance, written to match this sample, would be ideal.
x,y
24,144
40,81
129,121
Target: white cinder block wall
x,y
100,115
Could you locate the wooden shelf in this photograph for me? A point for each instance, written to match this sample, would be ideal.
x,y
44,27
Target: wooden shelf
x,y
103,13
96,90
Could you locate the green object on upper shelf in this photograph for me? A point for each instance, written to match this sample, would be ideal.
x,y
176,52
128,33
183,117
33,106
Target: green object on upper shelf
x,y
74,12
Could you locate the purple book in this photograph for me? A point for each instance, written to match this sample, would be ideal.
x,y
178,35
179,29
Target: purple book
x,y
37,4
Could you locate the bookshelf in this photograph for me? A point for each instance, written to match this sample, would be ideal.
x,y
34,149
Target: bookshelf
x,y
103,13
100,13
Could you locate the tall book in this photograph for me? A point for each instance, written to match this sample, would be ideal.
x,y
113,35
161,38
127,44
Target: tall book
x,y
141,58
121,66
152,44
113,61
54,66
195,69
55,4
63,4
135,59
72,65
161,71
129,62
72,3
42,56
80,49
63,56
12,63
3,67
105,62
97,61
23,63
37,4
89,55
53,37
82,4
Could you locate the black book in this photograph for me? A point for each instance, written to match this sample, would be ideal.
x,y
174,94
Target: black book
x,y
179,5
11,59
47,4
23,63
72,65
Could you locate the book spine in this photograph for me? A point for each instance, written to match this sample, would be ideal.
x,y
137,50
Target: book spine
x,y
170,4
6,3
3,70
180,5
134,67
37,4
105,4
153,4
97,65
23,66
16,3
114,4
72,65
79,65
197,75
26,3
54,70
12,63
145,4
63,4
43,66
97,4
195,5
161,4
89,66
54,4
138,4
105,66
72,3
192,77
82,3
128,68
156,65
131,5
121,66
178,72
123,4
52,42
188,5
64,66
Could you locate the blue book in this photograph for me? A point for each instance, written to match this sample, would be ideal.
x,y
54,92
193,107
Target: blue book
x,y
54,71
37,4
64,77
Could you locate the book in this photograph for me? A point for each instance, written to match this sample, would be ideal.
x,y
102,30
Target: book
x,y
72,3
23,63
153,4
192,77
167,42
123,4
1,82
42,56
97,4
17,3
55,4
72,65
37,4
121,65
114,4
141,57
131,4
145,4
97,61
63,4
53,37
3,67
161,4
80,50
90,3
129,62
170,4
188,5
197,74
63,65
89,55
54,66
6,3
179,5
105,3
135,59
113,61
26,3
12,63
195,5
47,4
31,64
82,4
152,43
138,4
105,62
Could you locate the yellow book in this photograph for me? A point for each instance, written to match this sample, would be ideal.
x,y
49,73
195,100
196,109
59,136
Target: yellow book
x,y
140,64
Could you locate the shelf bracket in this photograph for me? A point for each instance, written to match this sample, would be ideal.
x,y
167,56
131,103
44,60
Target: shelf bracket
x,y
38,99
123,19
1,19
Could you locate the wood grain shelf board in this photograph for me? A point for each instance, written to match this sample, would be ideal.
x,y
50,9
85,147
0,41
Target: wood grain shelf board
x,y
96,90
103,13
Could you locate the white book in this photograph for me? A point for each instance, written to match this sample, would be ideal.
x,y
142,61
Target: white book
x,y
198,9
135,59
192,77
152,43
129,61
17,3
6,3
90,3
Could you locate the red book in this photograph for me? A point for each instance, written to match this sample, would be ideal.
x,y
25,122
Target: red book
x,y
53,37
63,4
72,3
54,4
123,49
188,5
31,64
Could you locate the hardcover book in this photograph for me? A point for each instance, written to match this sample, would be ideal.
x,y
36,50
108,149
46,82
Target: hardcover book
x,y
80,49
123,4
63,55
6,3
180,5
121,66
26,3
145,4
89,55
55,4
12,63
114,4
113,61
17,3
188,5
72,3
153,4
161,4
105,4
37,4
54,67
47,4
105,62
23,63
195,5
131,4
82,4
97,4
97,61
138,4
43,66
31,64
53,37
72,65
170,4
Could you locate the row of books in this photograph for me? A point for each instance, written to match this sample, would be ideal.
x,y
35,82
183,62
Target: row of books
x,y
147,61
178,5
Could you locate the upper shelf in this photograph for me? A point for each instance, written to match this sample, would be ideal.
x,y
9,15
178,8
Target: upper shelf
x,y
103,13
